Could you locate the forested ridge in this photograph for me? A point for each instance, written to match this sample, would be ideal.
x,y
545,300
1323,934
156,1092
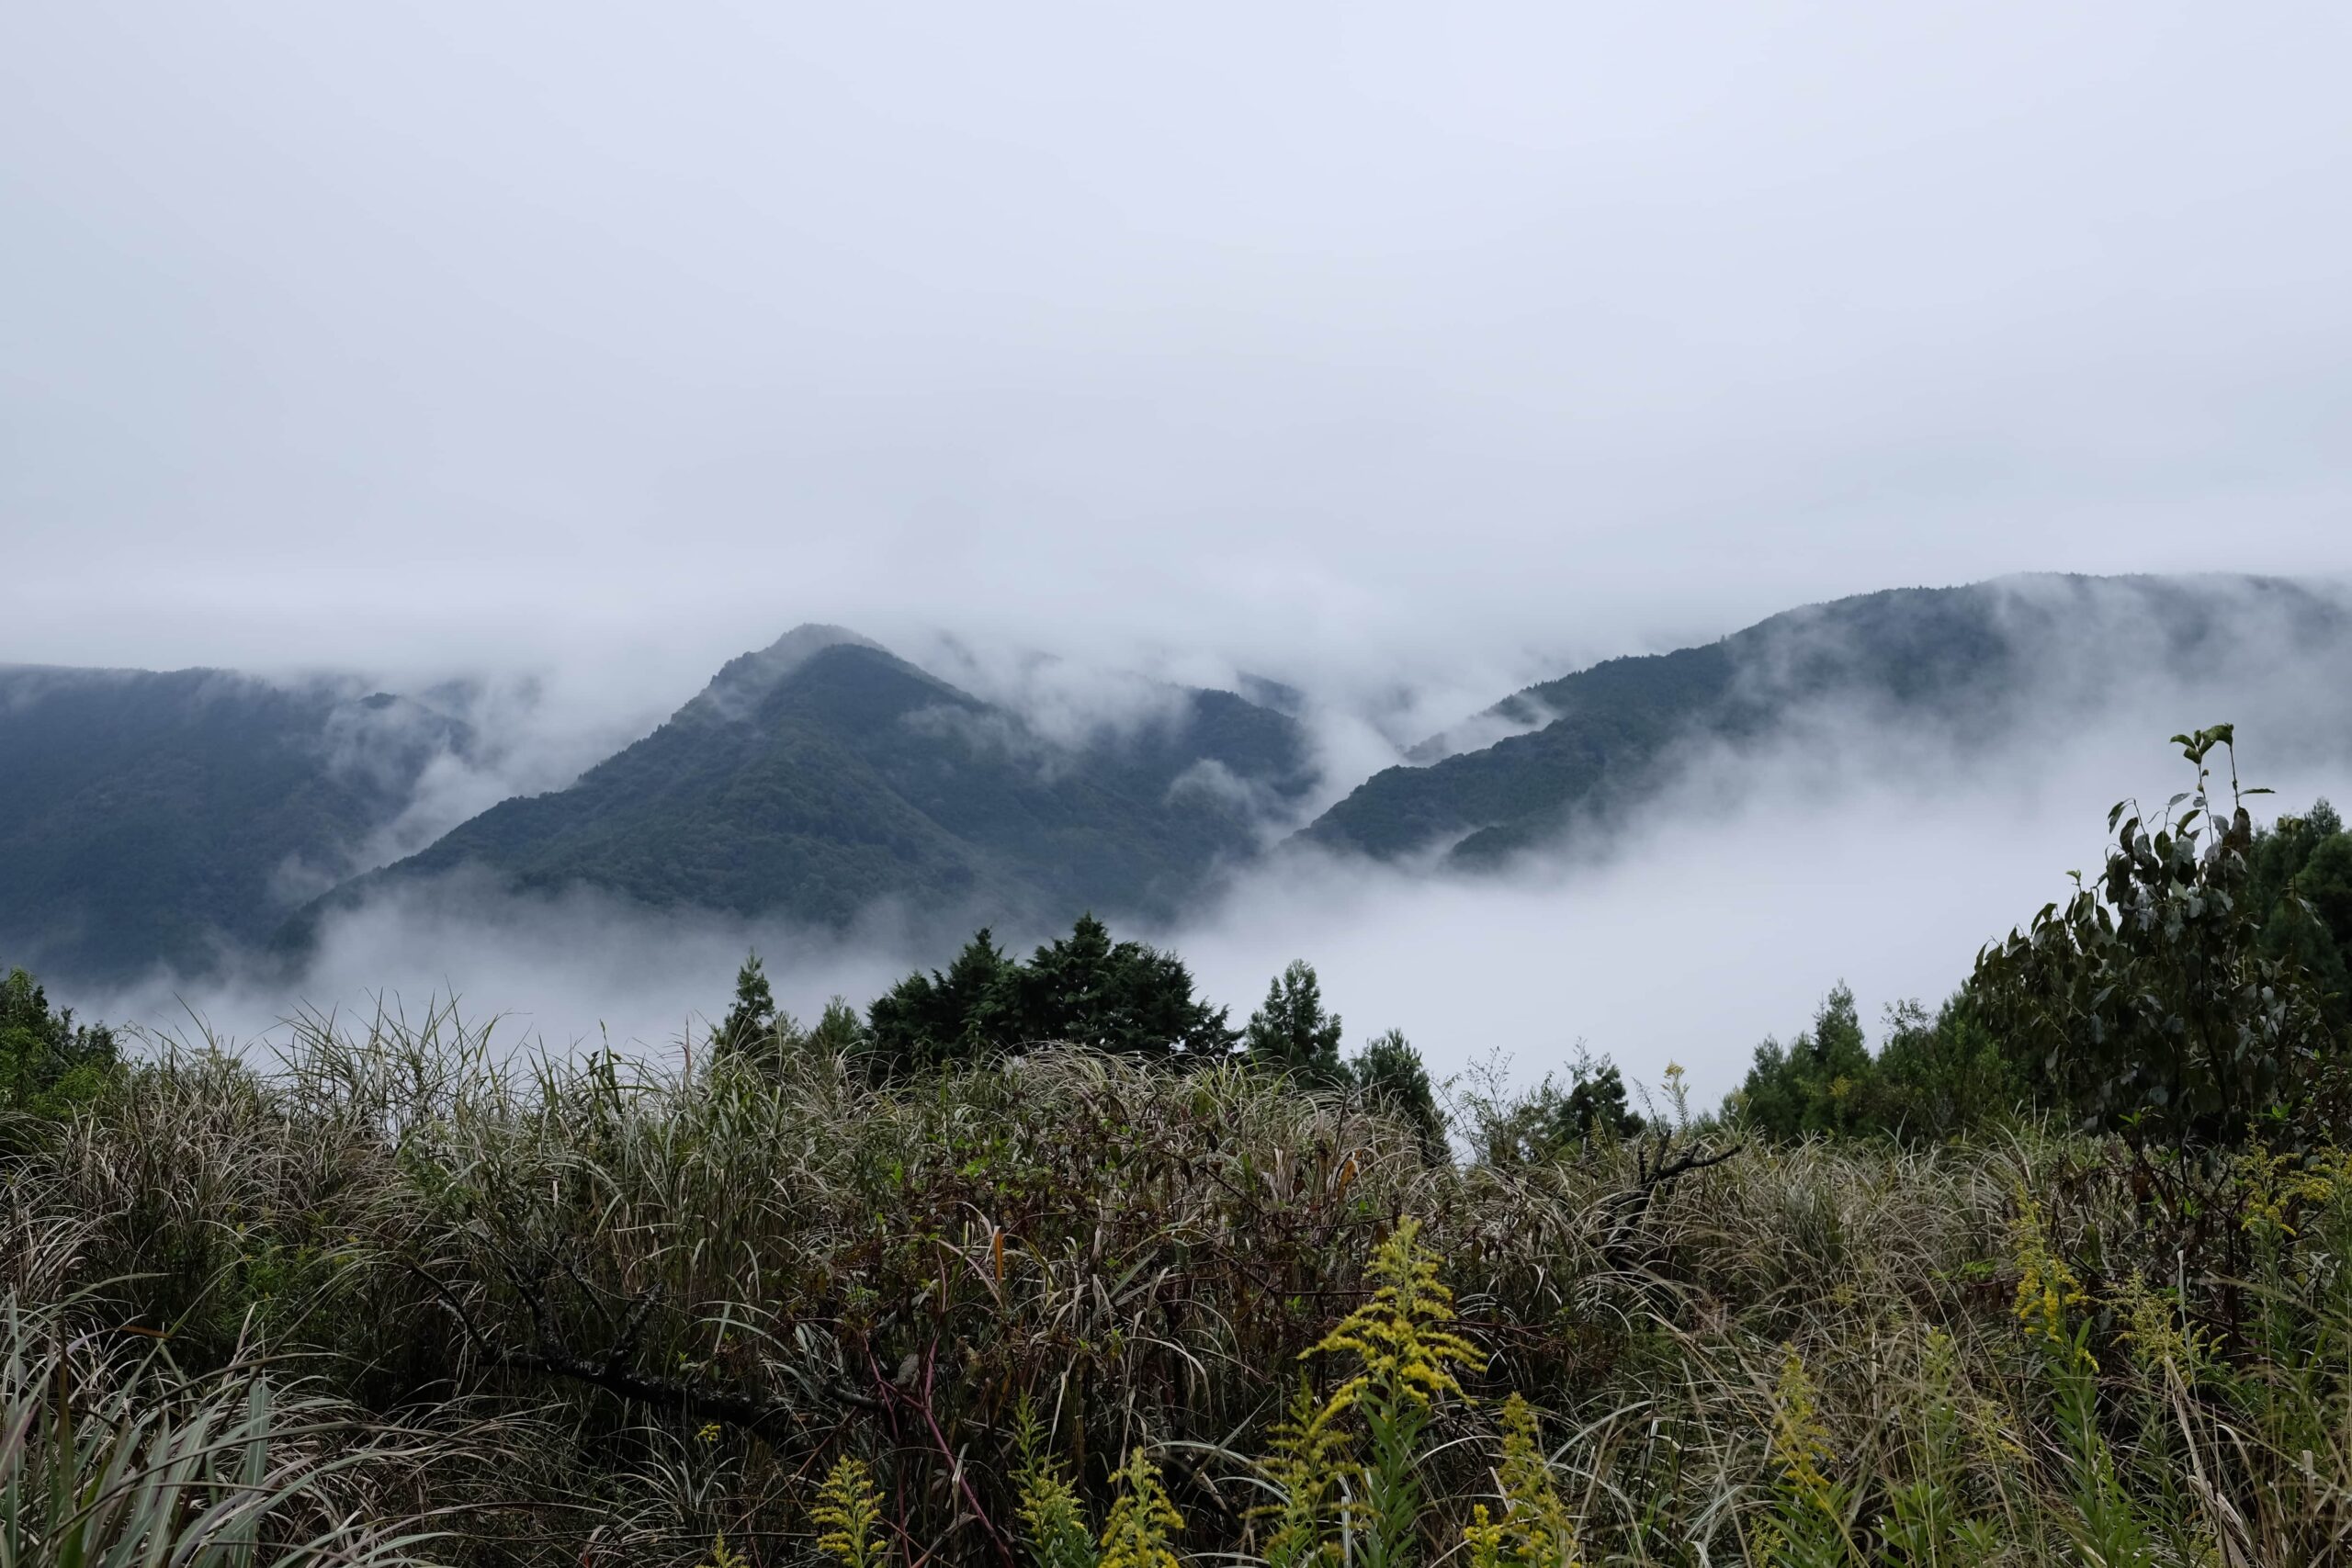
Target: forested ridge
x,y
201,822
1048,1260
815,786
1968,662
167,819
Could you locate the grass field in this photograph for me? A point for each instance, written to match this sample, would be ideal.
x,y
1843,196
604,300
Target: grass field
x,y
386,1299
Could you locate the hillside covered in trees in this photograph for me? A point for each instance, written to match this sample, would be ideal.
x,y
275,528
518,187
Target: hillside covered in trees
x,y
823,774
1966,663
160,819
171,820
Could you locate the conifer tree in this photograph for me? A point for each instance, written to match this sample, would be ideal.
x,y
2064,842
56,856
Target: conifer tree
x,y
1819,1082
49,1064
929,1021
1083,988
839,1032
1116,996
753,1016
1291,1033
1392,1076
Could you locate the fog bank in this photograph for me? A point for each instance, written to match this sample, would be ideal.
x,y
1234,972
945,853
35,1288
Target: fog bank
x,y
1719,914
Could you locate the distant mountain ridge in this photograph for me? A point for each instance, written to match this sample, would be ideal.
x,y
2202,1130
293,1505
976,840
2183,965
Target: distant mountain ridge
x,y
169,818
1596,740
820,776
154,818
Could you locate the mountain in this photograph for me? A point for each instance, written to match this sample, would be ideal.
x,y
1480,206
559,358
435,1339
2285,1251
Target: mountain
x,y
151,818
813,777
169,818
1962,661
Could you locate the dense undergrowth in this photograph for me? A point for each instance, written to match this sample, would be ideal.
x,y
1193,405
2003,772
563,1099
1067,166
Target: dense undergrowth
x,y
585,1313
398,1294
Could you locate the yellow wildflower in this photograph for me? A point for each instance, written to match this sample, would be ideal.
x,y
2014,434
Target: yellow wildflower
x,y
1142,1520
1304,1463
1485,1540
2152,1328
1536,1527
720,1557
848,1510
2046,1287
1401,1335
1800,1436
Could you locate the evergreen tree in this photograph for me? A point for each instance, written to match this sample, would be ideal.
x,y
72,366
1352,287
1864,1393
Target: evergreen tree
x,y
1119,997
1820,1082
929,1021
1392,1076
1083,988
838,1032
753,1016
2299,885
1944,1076
1069,990
1551,1123
1291,1032
1595,1105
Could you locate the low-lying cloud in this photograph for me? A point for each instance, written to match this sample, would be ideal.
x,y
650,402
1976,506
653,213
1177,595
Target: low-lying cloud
x,y
1855,841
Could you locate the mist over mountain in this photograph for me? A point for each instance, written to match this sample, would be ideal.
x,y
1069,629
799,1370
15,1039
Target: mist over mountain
x,y
159,818
823,774
821,784
1974,663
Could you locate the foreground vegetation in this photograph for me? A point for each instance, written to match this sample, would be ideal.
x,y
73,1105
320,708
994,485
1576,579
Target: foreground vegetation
x,y
398,1294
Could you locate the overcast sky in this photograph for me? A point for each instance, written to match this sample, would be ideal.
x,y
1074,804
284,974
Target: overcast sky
x,y
1362,345
1348,341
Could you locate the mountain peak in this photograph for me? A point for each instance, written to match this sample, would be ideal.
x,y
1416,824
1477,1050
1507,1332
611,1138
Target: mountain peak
x,y
748,677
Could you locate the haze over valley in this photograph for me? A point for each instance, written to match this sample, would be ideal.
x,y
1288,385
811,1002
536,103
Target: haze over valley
x,y
207,845
1196,472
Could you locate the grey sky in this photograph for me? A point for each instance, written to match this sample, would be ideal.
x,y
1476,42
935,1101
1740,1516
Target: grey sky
x,y
1362,345
1351,341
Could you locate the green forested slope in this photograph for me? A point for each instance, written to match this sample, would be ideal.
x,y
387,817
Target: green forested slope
x,y
812,781
149,817
1960,659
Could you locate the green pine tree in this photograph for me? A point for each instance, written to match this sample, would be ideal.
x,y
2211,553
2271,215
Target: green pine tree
x,y
1820,1082
1121,997
1595,1105
839,1030
48,1064
930,1020
1083,989
1291,1032
751,1021
1393,1077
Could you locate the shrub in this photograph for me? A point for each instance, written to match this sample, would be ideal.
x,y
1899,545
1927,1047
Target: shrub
x,y
2144,1003
49,1067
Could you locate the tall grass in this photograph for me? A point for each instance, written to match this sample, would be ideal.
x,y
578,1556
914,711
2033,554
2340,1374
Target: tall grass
x,y
645,1310
110,1458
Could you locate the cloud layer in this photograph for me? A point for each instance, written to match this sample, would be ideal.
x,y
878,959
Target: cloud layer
x,y
1363,346
1402,354
1856,840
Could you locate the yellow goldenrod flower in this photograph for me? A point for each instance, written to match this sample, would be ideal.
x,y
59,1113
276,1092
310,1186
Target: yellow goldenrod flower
x,y
1535,1530
1401,1335
2046,1287
1800,1438
848,1510
1142,1520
